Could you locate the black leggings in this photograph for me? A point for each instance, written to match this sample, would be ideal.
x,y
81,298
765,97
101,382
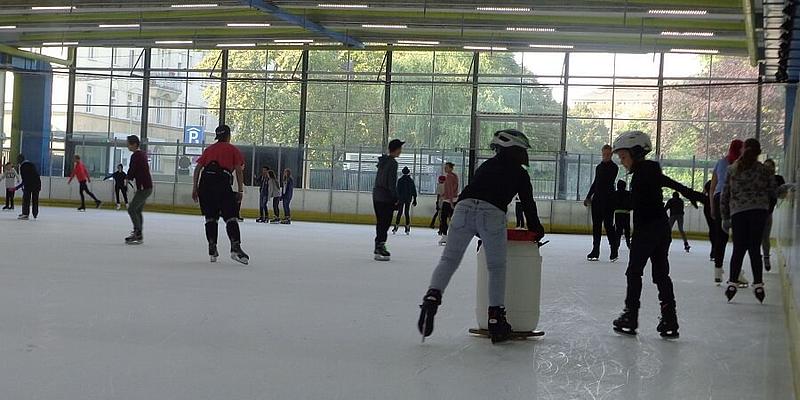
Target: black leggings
x,y
748,230
84,188
383,220
650,242
520,214
276,201
720,236
602,214
711,231
622,223
124,191
444,217
9,198
403,209
30,199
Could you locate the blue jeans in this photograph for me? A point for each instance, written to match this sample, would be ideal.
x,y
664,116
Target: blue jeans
x,y
476,217
263,204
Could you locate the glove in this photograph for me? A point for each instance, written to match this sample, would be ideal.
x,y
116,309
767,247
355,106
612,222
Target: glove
x,y
587,202
414,203
726,225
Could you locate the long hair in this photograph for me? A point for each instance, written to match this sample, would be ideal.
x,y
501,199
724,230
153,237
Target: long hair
x,y
752,149
287,173
734,151
271,174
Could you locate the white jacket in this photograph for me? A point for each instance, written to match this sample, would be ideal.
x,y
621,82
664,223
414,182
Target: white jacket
x,y
11,177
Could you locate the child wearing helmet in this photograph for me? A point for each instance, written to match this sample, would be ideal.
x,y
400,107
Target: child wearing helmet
x,y
651,233
481,211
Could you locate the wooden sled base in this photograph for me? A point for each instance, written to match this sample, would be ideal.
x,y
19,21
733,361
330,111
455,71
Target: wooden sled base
x,y
516,335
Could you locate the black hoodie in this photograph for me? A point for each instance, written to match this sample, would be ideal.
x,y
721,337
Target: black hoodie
x,y
385,190
30,177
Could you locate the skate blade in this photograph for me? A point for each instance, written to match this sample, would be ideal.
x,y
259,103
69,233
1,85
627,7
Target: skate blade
x,y
670,335
614,259
515,335
244,261
213,259
625,331
592,259
381,258
134,243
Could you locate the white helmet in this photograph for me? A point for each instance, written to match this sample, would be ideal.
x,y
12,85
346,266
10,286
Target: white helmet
x,y
509,138
637,142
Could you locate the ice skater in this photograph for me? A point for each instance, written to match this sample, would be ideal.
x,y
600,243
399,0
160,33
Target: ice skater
x,y
439,193
675,207
80,173
263,195
744,205
384,197
449,198
718,182
12,180
407,197
287,191
519,213
274,195
651,233
709,219
31,186
211,186
599,200
481,211
138,171
622,212
765,241
120,185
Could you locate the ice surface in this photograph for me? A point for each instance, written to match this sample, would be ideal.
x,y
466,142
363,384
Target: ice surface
x,y
82,316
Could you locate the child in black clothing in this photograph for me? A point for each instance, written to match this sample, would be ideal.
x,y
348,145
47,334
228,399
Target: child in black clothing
x,y
622,212
120,184
675,208
652,234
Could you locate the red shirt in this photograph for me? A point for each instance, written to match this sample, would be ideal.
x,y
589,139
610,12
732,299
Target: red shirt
x,y
79,172
224,153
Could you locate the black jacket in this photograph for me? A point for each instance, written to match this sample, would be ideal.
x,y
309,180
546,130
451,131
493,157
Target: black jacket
x,y
30,177
406,189
648,198
605,174
385,190
675,206
621,200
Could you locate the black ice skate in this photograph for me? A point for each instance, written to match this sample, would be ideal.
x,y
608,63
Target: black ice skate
x,y
758,290
286,221
81,208
381,254
593,256
213,254
394,230
430,303
499,328
627,323
767,264
730,291
668,323
275,220
134,238
408,229
686,247
614,255
97,203
238,255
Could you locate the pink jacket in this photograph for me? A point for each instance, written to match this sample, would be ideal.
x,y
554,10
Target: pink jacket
x,y
451,188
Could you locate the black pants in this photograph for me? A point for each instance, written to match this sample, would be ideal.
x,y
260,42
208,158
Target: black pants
x,y
217,199
435,217
404,209
84,188
679,219
711,230
30,198
124,191
603,215
444,217
520,215
287,212
383,220
720,236
650,242
9,198
748,231
622,224
276,202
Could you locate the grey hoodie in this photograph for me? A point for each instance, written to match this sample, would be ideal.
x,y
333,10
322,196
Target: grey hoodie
x,y
385,190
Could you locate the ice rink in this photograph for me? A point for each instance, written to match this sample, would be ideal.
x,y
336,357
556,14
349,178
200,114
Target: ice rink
x,y
83,316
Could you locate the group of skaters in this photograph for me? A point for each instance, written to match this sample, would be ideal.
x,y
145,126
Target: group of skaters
x,y
28,180
274,191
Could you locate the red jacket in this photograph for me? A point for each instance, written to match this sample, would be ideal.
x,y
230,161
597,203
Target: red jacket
x,y
79,172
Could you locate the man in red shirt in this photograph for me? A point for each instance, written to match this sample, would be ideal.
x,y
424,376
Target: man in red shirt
x,y
138,170
214,172
80,173
449,199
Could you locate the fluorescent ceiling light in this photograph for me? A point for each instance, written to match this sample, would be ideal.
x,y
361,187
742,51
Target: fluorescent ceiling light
x,y
382,26
8,27
413,45
700,34
504,9
293,41
678,12
551,46
328,5
41,8
174,42
524,29
236,45
193,5
695,51
375,44
428,42
485,48
118,26
248,25
59,44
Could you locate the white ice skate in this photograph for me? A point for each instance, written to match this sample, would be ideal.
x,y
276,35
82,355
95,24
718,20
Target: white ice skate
x,y
443,240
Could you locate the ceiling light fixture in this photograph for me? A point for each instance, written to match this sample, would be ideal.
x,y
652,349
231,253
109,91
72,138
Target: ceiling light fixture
x,y
504,9
524,29
695,51
375,44
118,26
328,5
699,34
551,46
424,42
293,41
382,26
236,45
173,42
59,44
678,12
8,27
248,25
194,5
52,8
487,48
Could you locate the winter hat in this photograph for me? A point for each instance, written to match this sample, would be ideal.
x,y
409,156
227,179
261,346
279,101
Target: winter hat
x,y
406,171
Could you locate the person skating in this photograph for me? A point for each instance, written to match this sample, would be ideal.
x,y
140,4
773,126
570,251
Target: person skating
x,y
120,184
211,186
651,233
439,192
449,199
481,211
384,197
675,207
744,205
599,200
287,191
765,241
519,213
80,173
12,180
622,212
407,197
138,171
263,195
274,196
31,186
709,219
718,181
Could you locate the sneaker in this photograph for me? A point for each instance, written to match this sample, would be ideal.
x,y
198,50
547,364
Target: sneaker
x,y
97,203
23,217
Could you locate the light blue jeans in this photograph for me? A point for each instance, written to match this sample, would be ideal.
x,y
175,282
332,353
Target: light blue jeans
x,y
476,218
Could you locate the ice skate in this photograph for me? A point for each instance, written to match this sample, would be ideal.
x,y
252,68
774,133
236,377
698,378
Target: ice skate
x,y
118,206
593,256
81,208
743,282
97,203
238,255
408,229
213,254
381,254
767,265
614,255
394,230
668,323
286,221
686,247
718,272
758,291
134,238
259,220
275,220
443,240
6,208
499,328
627,322
430,303
23,217
730,291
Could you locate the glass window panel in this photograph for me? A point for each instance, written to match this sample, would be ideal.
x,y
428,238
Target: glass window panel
x,y
325,129
500,63
623,125
254,61
545,135
772,141
364,130
412,129
688,103
587,136
589,101
591,64
686,65
737,68
93,57
630,103
246,95
327,97
723,132
203,93
283,96
203,59
411,99
452,63
636,65
683,139
546,64
128,58
544,100
365,97
734,103
499,99
247,126
449,132
412,62
281,127
773,103
452,99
